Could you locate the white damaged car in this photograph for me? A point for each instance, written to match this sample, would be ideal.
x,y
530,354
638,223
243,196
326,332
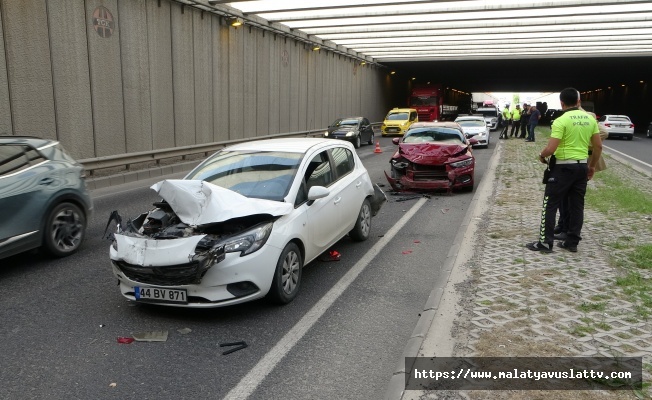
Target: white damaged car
x,y
243,223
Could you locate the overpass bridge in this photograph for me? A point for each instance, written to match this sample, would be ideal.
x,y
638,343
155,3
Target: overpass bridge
x,y
109,77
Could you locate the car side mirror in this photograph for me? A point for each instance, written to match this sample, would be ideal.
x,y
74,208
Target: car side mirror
x,y
317,192
396,140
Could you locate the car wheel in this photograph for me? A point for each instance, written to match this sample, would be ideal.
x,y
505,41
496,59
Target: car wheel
x,y
357,142
360,231
287,277
64,230
371,139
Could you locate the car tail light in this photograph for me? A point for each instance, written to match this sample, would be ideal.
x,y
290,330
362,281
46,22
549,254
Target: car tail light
x,y
631,125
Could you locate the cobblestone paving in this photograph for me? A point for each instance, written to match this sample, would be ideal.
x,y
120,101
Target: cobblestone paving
x,y
560,304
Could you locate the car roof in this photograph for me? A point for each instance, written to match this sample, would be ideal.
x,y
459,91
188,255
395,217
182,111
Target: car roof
x,y
349,118
470,117
290,145
402,109
616,115
32,141
443,124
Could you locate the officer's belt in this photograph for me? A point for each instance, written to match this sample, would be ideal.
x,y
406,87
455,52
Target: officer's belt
x,y
571,161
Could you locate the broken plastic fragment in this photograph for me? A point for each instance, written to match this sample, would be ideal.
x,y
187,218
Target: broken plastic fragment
x,y
125,340
444,210
407,251
154,336
184,331
239,346
417,241
332,255
113,384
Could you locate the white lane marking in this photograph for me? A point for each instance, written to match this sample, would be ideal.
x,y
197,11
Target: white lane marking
x,y
257,374
628,156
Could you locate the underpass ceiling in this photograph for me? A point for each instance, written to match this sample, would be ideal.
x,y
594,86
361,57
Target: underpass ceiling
x,y
479,44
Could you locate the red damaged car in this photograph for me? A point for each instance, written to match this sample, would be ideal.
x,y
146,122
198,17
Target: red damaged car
x,y
432,155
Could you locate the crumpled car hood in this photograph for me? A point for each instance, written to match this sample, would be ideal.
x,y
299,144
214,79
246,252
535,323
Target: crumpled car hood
x,y
197,202
430,153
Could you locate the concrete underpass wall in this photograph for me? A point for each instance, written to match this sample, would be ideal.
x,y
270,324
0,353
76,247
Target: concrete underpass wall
x,y
151,75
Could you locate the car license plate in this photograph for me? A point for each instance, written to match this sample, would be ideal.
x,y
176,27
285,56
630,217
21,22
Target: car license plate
x,y
160,294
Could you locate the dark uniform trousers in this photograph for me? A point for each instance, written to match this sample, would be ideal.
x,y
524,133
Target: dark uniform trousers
x,y
566,180
524,122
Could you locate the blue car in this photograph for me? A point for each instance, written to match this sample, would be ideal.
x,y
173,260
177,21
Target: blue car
x,y
43,197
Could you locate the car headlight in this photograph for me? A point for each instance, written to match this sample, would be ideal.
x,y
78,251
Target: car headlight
x,y
250,241
350,133
326,134
463,163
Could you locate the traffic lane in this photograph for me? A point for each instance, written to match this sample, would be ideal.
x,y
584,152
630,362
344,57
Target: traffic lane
x,y
77,331
354,348
74,338
640,147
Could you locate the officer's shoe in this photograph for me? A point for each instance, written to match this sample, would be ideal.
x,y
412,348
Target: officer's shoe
x,y
561,236
567,246
538,246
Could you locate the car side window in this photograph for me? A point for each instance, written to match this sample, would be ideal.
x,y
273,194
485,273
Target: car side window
x,y
15,158
343,160
602,119
413,116
319,171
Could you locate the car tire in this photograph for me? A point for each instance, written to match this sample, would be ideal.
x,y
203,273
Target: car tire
x,y
371,139
65,228
358,142
360,231
287,276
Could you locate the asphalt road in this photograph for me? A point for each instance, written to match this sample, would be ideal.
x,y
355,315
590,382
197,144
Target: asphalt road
x,y
639,149
60,319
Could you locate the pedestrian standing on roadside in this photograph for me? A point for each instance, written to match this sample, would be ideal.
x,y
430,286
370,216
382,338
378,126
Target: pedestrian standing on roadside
x,y
525,118
570,138
506,118
535,116
516,120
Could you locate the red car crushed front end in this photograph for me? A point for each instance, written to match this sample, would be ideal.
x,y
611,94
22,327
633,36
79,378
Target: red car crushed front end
x,y
432,166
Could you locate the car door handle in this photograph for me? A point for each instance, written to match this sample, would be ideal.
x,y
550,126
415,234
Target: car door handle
x,y
337,200
46,181
358,184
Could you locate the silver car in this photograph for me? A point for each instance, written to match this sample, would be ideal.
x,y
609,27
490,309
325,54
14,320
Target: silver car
x,y
474,126
43,197
617,126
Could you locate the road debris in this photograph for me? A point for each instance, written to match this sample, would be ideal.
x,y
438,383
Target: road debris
x,y
332,255
153,336
445,210
407,251
184,331
113,384
125,340
417,241
240,345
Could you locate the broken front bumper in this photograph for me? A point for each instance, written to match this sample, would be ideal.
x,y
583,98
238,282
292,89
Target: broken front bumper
x,y
446,180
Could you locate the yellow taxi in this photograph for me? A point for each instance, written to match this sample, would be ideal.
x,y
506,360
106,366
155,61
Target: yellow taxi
x,y
398,121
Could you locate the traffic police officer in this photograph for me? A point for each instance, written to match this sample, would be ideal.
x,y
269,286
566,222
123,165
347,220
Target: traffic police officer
x,y
503,133
516,120
570,137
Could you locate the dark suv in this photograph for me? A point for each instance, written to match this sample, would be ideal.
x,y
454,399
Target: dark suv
x,y
43,197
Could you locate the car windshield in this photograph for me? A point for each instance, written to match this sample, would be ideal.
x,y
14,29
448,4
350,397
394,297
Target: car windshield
x,y
348,122
257,174
619,119
399,116
488,113
472,123
429,135
423,101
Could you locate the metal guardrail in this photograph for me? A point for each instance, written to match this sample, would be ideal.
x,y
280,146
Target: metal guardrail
x,y
128,159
